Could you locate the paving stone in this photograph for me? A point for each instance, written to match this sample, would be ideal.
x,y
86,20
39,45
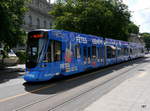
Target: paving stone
x,y
131,95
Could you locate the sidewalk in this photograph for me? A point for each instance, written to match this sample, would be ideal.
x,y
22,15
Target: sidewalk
x,y
132,95
17,68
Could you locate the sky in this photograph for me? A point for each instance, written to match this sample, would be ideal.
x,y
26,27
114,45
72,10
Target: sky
x,y
52,1
140,11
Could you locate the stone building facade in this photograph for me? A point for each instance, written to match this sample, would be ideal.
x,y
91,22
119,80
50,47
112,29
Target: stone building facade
x,y
136,38
37,17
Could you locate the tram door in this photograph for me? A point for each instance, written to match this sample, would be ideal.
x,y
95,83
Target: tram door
x,y
54,55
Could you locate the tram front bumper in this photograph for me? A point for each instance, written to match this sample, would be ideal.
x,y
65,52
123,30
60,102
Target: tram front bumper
x,y
36,76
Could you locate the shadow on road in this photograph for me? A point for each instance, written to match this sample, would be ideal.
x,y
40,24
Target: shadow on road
x,y
63,85
9,73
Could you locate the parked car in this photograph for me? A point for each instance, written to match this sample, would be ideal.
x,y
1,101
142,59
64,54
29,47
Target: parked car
x,y
11,58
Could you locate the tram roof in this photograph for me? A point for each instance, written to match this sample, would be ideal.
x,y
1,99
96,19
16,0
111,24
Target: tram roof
x,y
88,36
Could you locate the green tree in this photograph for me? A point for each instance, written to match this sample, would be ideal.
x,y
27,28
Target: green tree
x,y
11,20
97,17
132,28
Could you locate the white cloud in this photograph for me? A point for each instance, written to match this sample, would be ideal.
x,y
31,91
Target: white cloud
x,y
52,1
140,13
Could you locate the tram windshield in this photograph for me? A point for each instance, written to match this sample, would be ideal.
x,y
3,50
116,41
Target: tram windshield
x,y
36,45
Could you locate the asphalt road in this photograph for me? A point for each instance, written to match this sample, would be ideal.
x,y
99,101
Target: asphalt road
x,y
73,93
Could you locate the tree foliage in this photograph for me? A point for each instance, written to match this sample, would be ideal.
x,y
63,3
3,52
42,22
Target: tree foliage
x,y
97,17
11,20
132,28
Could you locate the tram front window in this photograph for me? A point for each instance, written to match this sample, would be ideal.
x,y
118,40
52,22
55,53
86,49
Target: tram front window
x,y
35,48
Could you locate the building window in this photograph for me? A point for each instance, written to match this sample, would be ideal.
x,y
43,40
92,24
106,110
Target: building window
x,y
45,24
38,23
50,25
34,2
41,5
30,20
37,3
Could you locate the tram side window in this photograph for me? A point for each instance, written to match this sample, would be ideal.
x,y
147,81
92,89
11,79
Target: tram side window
x,y
142,50
101,53
94,52
122,51
54,51
89,52
139,51
131,51
113,52
126,51
119,52
57,51
135,51
84,53
108,52
77,51
97,52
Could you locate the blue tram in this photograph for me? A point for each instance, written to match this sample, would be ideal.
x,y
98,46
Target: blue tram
x,y
57,52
